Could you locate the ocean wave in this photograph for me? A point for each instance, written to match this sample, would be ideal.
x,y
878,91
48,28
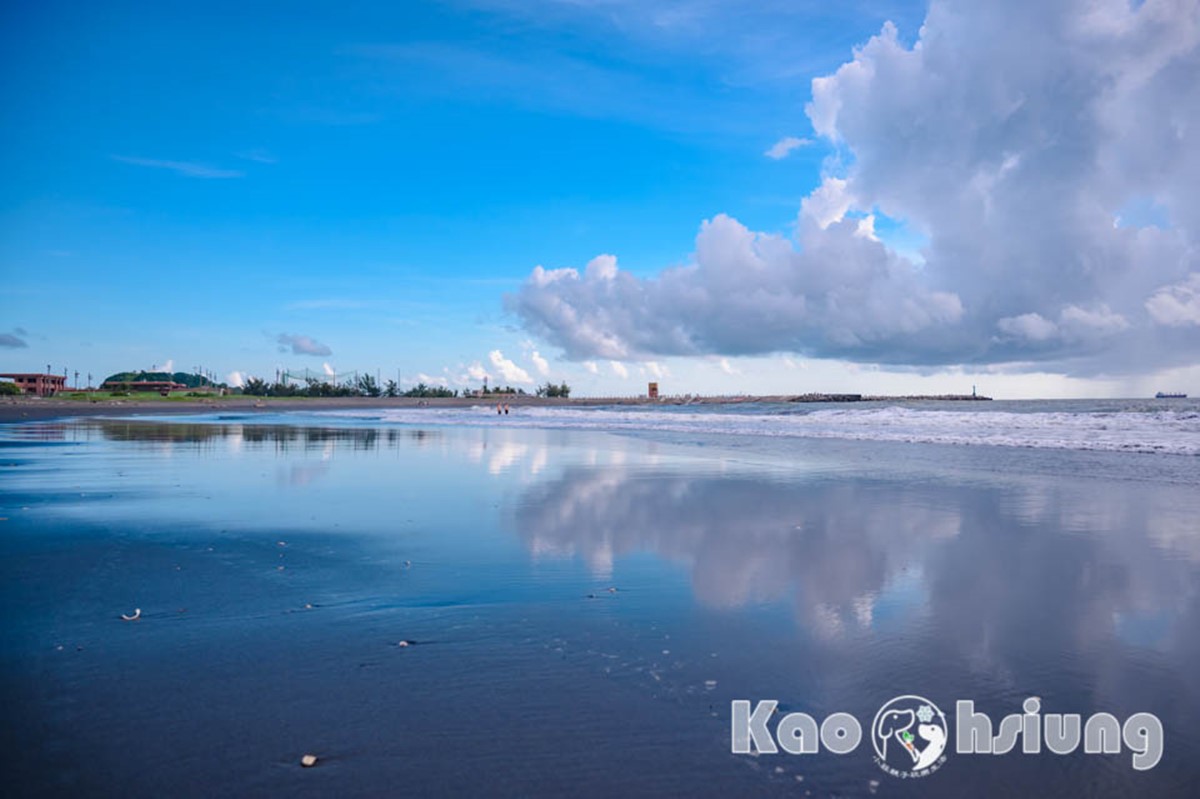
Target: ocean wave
x,y
1157,431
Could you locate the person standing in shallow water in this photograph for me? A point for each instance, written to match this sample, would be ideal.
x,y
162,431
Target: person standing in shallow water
x,y
506,409
497,409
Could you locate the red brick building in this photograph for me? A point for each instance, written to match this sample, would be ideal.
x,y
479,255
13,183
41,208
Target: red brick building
x,y
41,385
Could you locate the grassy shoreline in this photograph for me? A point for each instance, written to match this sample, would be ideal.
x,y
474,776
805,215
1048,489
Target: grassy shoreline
x,y
20,409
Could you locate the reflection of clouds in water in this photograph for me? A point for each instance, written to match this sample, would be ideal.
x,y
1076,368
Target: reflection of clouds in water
x,y
1069,564
747,540
541,456
507,456
1177,529
502,456
600,562
505,451
1126,551
1033,504
541,548
283,438
1163,513
992,570
302,474
864,610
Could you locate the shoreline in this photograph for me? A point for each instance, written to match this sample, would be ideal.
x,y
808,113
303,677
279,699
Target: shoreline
x,y
29,409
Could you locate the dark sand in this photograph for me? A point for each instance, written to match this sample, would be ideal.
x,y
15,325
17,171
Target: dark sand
x,y
32,409
828,575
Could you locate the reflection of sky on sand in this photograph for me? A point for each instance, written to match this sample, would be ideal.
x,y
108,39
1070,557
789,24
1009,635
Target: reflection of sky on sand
x,y
1079,563
745,541
822,573
986,559
994,586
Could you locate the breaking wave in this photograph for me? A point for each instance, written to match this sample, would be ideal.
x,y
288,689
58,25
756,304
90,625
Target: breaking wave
x,y
1174,432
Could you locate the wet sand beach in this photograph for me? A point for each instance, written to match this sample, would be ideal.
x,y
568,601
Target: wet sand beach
x,y
578,609
35,408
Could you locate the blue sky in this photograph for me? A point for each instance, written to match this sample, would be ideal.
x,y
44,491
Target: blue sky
x,y
192,183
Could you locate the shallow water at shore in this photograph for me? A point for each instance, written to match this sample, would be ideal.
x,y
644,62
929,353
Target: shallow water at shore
x,y
582,607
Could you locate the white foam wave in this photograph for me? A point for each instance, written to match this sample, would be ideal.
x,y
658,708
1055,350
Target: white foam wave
x,y
1166,432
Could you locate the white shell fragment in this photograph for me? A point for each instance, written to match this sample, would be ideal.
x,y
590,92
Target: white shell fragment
x,y
137,614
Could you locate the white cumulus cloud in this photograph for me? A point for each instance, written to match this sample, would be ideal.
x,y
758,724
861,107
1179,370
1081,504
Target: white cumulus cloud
x,y
1007,136
476,372
1030,326
784,147
1177,305
656,369
1088,322
828,203
301,345
746,292
508,370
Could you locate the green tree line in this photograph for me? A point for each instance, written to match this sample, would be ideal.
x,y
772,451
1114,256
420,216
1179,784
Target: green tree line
x,y
364,386
367,386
